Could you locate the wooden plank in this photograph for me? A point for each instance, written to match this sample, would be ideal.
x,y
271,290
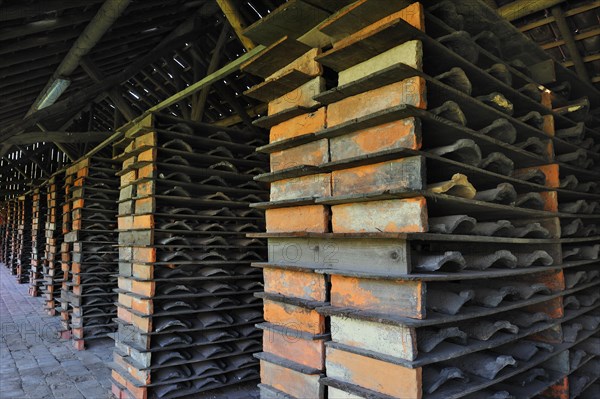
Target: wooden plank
x,y
311,154
387,339
404,133
384,77
392,297
268,121
399,216
301,318
305,124
409,53
375,39
300,187
291,19
314,218
210,79
296,284
386,256
377,375
294,346
359,15
277,87
291,382
408,92
301,97
404,173
275,57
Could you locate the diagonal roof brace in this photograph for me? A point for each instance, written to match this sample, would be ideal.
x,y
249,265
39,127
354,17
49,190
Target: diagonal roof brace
x,y
93,32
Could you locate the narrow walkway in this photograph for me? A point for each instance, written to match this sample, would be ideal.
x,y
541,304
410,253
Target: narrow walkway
x,y
34,362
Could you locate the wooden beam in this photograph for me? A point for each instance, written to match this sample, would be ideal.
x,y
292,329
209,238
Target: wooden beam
x,y
200,100
235,119
581,36
523,8
568,13
74,103
56,137
227,93
113,93
210,79
563,27
101,23
236,21
172,67
586,59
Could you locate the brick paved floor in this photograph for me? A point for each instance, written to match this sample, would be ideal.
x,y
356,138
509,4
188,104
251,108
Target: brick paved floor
x,y
34,362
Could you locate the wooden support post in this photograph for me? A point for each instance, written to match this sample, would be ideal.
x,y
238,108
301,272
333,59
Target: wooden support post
x,y
200,103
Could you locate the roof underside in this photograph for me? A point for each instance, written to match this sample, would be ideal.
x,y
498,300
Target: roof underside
x,y
149,59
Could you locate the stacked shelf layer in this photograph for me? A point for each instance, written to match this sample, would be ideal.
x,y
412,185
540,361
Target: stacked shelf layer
x,y
186,310
415,218
38,240
23,248
92,238
52,271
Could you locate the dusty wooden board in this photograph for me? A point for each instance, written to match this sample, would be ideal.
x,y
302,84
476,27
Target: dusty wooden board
x,y
268,121
384,77
384,38
275,88
383,256
291,19
275,57
359,15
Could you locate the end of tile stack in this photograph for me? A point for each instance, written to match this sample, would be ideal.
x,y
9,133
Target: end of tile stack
x,y
421,189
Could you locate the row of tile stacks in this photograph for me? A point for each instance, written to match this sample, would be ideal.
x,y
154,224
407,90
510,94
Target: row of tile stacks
x,y
3,228
90,256
23,243
429,144
52,270
186,306
7,220
38,241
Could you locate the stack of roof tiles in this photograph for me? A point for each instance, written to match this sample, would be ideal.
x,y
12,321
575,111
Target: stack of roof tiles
x,y
432,224
186,306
